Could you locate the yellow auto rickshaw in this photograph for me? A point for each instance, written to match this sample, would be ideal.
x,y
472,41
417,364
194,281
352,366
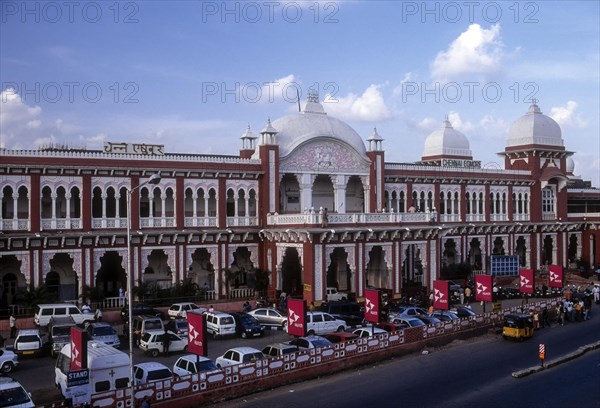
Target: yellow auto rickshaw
x,y
518,326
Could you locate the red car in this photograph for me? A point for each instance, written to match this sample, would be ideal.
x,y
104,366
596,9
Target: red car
x,y
340,337
391,327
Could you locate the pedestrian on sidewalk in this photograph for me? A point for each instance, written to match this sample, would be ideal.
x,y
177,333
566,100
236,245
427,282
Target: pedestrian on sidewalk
x,y
545,320
13,326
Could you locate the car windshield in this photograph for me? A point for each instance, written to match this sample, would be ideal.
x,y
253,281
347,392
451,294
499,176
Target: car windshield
x,y
28,338
104,331
320,342
206,365
159,374
247,319
152,325
13,397
252,357
61,331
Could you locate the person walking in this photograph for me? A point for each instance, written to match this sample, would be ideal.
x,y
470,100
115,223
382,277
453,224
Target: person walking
x,y
545,320
98,315
166,343
13,326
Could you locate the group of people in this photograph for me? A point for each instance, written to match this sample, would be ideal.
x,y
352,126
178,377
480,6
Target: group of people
x,y
574,310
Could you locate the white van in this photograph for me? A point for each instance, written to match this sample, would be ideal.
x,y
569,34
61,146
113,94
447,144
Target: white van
x,y
44,313
220,324
108,371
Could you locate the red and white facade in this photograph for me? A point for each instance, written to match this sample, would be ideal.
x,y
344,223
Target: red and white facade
x,y
307,200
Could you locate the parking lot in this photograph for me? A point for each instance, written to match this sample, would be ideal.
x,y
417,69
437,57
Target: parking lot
x,y
36,374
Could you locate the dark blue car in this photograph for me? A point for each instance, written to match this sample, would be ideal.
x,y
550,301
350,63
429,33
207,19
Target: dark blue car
x,y
247,326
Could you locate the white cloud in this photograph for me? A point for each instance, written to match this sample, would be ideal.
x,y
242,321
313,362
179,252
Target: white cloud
x,y
566,116
476,51
368,107
280,89
459,124
408,77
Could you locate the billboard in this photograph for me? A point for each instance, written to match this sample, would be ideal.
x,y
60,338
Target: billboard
x,y
78,349
555,276
296,325
483,288
440,295
526,283
372,305
197,334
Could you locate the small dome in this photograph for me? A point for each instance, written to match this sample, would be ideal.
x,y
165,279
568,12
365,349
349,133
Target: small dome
x,y
534,128
570,165
314,122
447,142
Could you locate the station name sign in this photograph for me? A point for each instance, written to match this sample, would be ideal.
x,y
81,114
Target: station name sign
x,y
134,148
468,164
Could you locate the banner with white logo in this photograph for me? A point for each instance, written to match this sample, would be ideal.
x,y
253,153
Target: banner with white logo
x,y
483,288
197,334
526,283
296,317
372,305
440,295
78,349
555,276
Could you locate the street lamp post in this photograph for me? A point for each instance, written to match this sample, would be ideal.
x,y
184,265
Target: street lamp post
x,y
153,179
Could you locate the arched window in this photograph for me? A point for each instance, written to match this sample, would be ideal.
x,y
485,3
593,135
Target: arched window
x,y
97,203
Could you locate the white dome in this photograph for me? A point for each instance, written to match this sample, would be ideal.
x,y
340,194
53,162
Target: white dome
x,y
534,128
311,123
570,165
446,141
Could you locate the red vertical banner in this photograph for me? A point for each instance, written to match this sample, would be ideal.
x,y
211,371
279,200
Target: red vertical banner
x,y
78,349
441,295
555,276
372,305
526,283
296,317
483,288
197,334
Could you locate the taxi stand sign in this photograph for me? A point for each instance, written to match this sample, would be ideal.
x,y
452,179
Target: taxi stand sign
x,y
78,349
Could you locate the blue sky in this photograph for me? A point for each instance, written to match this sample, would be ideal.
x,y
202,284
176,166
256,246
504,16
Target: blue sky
x,y
192,75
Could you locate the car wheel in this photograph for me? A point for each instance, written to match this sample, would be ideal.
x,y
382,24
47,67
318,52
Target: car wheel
x,y
154,353
311,332
215,336
7,367
185,349
244,335
219,366
340,329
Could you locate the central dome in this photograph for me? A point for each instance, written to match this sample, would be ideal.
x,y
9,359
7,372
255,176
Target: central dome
x,y
446,142
534,128
313,122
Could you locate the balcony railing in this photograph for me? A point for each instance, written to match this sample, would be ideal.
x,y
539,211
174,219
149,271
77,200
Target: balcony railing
x,y
241,221
61,223
475,217
200,221
349,218
16,225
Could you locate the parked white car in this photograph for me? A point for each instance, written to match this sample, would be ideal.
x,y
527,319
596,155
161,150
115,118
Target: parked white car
x,y
14,395
192,364
105,333
152,342
145,373
181,309
239,355
368,331
8,361
323,323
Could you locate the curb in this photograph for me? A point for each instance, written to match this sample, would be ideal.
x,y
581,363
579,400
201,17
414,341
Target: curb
x,y
567,357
